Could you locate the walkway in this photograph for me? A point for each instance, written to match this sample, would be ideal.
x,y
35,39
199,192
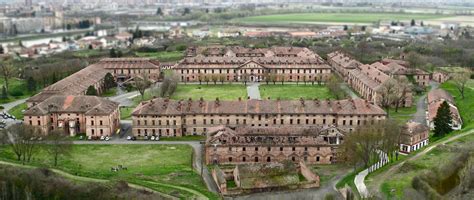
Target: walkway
x,y
253,91
420,115
360,177
348,91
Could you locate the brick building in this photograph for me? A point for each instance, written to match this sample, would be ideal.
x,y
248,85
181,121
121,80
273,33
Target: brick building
x,y
165,117
92,115
414,136
363,78
435,98
312,144
93,75
232,64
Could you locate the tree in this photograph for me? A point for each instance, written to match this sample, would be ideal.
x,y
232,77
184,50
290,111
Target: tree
x,y
4,94
412,23
333,85
443,120
91,91
8,72
159,11
142,83
31,84
460,80
20,43
403,89
23,140
386,94
59,145
109,81
112,53
119,54
186,11
422,24
346,27
64,39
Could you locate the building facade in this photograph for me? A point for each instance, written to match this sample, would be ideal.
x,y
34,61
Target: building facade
x,y
314,145
413,137
238,64
91,115
172,118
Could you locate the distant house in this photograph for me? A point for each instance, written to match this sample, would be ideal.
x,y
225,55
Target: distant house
x,y
435,99
440,76
414,136
124,36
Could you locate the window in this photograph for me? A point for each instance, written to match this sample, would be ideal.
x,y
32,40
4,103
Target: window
x,y
269,159
317,158
305,148
256,148
230,159
243,148
293,159
230,148
256,159
100,123
281,148
293,148
243,159
94,131
92,123
269,148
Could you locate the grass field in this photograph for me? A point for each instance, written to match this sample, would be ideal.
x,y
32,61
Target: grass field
x,y
293,92
165,168
126,112
163,56
210,92
466,105
334,18
17,111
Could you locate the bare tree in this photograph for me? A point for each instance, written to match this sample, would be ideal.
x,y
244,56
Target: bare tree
x,y
23,140
59,145
142,83
403,90
460,81
387,93
8,72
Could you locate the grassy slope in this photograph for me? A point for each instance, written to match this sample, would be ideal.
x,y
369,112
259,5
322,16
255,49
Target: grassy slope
x,y
210,92
154,166
292,92
335,17
16,85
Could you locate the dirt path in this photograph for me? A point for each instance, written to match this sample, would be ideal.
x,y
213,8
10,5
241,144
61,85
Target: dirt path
x,y
374,187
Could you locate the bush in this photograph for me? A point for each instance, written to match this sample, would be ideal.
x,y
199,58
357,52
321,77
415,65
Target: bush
x,y
16,92
1,107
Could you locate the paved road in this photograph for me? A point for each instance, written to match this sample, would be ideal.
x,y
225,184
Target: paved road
x,y
197,161
253,91
420,115
374,188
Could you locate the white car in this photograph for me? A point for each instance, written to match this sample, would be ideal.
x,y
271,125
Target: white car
x,y
157,138
102,137
145,138
129,137
89,137
152,138
107,138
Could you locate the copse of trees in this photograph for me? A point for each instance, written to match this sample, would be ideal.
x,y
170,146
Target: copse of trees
x,y
91,91
169,84
23,141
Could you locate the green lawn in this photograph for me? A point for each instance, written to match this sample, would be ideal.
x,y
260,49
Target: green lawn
x,y
466,105
163,56
110,92
126,112
210,92
403,114
327,172
334,17
91,53
292,91
17,111
165,168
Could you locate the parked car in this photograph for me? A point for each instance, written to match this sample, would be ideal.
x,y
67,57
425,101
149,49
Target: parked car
x,y
152,138
89,137
107,138
81,138
145,138
134,138
102,138
129,137
157,138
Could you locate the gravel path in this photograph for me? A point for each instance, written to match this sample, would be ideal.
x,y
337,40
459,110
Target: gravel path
x,y
253,91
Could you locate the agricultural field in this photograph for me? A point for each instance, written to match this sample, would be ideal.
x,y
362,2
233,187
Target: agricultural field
x,y
163,56
165,168
210,92
353,18
294,92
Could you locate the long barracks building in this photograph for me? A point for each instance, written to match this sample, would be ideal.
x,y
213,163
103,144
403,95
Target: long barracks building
x,y
172,118
238,64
